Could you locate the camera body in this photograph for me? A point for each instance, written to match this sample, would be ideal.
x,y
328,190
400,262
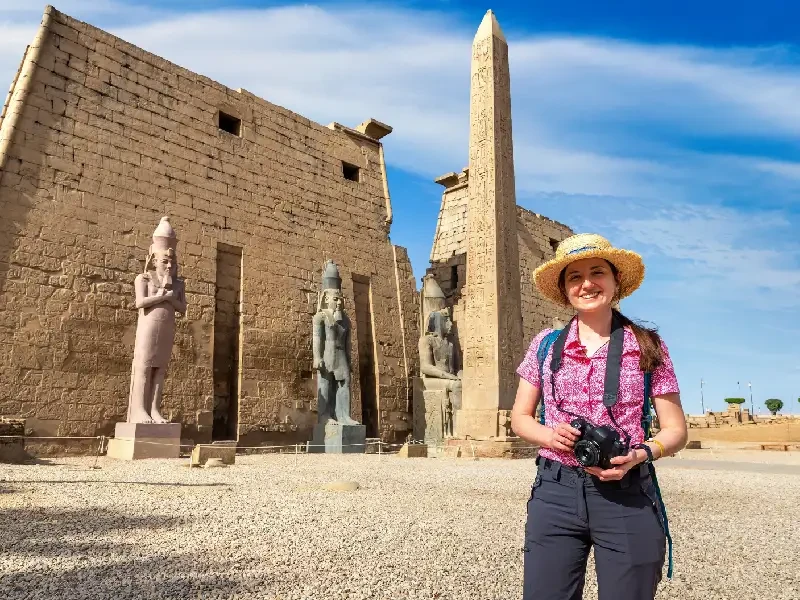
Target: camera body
x,y
597,445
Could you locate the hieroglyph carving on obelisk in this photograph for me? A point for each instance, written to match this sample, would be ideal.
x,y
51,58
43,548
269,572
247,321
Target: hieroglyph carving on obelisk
x,y
492,330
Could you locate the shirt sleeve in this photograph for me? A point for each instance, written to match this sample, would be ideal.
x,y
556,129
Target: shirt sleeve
x,y
529,367
664,380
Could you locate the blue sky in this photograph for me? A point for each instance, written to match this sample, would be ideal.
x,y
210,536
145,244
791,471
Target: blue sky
x,y
673,130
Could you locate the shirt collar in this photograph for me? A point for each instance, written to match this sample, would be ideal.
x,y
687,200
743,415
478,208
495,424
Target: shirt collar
x,y
574,346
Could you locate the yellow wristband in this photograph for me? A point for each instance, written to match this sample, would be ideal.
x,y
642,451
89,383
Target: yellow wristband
x,y
660,445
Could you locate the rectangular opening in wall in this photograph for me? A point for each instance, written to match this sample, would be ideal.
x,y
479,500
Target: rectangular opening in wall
x,y
454,277
366,354
230,123
554,244
227,326
349,171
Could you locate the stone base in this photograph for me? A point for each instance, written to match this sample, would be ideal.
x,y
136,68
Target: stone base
x,y
478,424
133,441
334,438
775,447
12,449
511,447
413,451
225,451
451,451
428,413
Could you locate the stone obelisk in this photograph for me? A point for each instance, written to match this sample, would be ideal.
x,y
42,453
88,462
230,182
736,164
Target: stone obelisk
x,y
491,331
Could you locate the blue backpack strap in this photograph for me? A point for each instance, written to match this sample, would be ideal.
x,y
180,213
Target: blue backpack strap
x,y
647,419
541,354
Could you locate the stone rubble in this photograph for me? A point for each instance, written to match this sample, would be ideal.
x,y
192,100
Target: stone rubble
x,y
265,528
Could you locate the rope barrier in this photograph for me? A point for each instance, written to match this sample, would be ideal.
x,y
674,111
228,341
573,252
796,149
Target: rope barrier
x,y
101,438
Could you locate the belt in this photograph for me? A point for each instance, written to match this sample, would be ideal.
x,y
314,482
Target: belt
x,y
635,474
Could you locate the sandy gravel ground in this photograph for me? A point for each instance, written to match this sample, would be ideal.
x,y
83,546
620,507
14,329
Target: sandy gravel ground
x,y
417,528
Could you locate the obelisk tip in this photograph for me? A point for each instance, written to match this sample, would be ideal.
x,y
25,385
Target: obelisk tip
x,y
489,26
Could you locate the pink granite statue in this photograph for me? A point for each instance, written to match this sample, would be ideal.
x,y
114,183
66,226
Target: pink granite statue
x,y
159,293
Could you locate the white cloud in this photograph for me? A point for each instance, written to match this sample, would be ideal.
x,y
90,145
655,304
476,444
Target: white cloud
x,y
13,40
698,90
789,170
732,258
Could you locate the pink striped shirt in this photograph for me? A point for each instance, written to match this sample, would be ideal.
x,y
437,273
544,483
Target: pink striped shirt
x,y
579,386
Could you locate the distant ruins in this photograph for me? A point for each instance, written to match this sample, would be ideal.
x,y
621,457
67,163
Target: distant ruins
x,y
735,415
100,139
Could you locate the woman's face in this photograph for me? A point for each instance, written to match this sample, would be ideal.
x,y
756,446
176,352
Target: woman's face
x,y
590,284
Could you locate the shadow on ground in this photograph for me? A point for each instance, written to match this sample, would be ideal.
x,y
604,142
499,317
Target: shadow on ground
x,y
52,553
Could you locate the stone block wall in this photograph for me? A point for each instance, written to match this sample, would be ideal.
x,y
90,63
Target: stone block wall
x,y
538,239
98,141
537,236
450,239
409,306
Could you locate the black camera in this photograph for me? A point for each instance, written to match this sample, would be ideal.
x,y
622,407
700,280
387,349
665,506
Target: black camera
x,y
597,445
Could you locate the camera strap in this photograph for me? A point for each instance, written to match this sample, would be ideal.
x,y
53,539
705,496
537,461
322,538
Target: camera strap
x,y
613,359
613,367
613,362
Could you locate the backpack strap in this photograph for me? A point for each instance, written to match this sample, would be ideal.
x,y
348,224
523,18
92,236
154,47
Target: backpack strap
x,y
541,354
647,410
647,419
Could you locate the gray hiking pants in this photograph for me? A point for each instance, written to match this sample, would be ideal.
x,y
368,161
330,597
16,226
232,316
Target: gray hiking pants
x,y
569,511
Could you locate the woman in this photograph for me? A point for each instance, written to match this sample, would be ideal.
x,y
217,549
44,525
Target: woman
x,y
613,507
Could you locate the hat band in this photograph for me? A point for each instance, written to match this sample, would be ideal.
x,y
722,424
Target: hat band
x,y
581,249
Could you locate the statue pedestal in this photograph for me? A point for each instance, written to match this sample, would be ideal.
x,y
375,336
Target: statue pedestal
x,y
133,441
428,413
334,438
480,424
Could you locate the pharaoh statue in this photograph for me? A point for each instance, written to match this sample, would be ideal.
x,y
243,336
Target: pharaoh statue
x,y
438,390
331,347
159,295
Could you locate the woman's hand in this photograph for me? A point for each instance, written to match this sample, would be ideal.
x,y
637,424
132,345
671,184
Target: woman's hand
x,y
621,465
564,437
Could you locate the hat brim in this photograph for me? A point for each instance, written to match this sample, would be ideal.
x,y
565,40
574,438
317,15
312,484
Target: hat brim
x,y
629,265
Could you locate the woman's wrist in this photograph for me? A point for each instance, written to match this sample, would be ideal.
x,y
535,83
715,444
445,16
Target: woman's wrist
x,y
640,456
548,434
658,448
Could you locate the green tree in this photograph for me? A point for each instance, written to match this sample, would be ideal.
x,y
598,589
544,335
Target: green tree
x,y
735,400
773,405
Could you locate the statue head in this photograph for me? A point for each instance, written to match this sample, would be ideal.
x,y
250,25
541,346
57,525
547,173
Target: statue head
x,y
165,267
162,260
330,276
331,298
439,323
432,299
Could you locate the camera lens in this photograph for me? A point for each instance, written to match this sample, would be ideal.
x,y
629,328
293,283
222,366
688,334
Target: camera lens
x,y
587,453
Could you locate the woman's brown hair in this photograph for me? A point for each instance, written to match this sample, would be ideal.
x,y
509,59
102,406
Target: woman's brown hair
x,y
650,357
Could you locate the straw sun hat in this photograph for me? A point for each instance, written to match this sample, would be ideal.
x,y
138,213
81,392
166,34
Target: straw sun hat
x,y
588,245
